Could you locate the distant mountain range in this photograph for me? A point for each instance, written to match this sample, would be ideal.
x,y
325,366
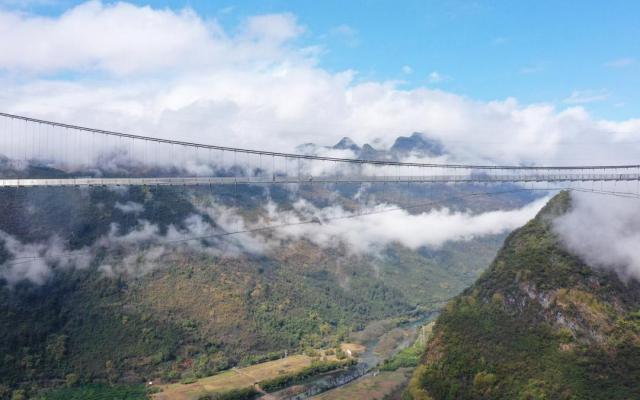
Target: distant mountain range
x,y
417,144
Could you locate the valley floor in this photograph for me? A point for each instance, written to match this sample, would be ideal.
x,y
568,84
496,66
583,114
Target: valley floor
x,y
240,378
383,339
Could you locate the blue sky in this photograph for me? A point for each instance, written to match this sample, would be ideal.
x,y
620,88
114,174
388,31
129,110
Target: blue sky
x,y
564,53
506,82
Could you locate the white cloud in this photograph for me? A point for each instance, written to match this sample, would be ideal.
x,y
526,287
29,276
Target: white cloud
x,y
123,39
407,70
621,131
586,96
254,88
130,207
436,77
272,27
118,38
34,262
372,233
604,231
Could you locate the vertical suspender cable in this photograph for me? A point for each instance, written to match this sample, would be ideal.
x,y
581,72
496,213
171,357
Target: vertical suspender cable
x,y
25,142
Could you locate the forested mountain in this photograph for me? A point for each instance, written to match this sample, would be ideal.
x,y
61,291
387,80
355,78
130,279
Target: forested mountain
x,y
539,324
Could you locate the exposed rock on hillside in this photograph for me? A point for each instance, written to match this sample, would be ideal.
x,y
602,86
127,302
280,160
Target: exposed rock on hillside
x,y
539,324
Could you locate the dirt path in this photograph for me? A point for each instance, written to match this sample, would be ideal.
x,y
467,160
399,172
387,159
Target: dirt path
x,y
241,372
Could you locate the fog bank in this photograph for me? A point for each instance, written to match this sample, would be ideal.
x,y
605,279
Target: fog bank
x,y
604,231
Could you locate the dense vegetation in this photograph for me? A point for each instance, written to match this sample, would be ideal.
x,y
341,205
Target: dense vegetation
x,y
406,358
199,312
99,392
539,324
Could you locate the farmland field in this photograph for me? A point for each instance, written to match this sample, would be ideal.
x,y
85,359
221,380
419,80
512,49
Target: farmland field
x,y
233,379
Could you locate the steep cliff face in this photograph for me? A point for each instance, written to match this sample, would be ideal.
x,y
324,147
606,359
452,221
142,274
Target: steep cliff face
x,y
539,324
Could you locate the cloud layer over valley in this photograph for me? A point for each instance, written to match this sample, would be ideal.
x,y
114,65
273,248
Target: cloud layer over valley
x,y
261,84
143,249
369,233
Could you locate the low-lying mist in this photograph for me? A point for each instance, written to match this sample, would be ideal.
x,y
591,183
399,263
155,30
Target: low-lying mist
x,y
375,229
144,248
604,231
134,253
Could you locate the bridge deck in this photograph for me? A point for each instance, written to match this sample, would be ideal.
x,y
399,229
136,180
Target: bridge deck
x,y
203,180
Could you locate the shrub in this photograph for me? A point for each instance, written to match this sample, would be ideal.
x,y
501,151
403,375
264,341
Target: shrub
x,y
188,379
406,358
497,299
483,381
71,380
18,395
340,355
257,359
311,352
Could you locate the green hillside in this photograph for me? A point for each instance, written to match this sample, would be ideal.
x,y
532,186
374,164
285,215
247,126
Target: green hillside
x,y
197,312
539,324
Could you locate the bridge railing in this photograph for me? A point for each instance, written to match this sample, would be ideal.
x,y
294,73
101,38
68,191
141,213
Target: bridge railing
x,y
308,179
32,145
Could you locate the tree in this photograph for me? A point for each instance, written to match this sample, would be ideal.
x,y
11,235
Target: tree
x,y
57,347
112,373
18,395
71,379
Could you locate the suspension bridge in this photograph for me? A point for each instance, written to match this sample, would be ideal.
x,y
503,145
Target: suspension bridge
x,y
43,153
97,157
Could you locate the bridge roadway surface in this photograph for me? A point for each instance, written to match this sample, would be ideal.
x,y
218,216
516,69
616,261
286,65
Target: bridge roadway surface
x,y
204,180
